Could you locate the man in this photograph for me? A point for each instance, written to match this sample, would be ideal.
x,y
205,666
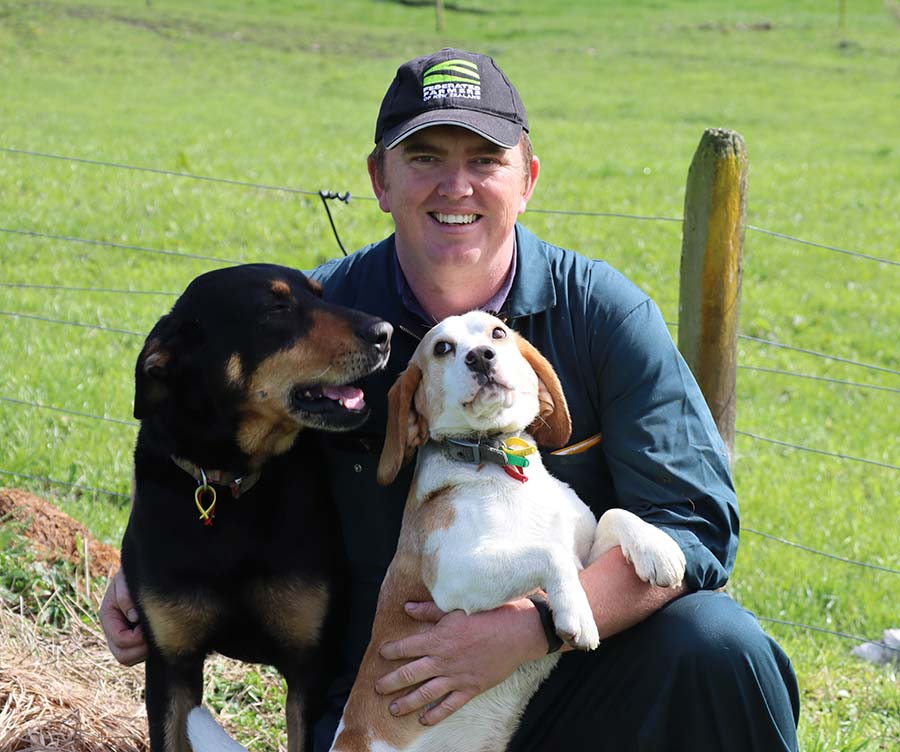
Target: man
x,y
683,669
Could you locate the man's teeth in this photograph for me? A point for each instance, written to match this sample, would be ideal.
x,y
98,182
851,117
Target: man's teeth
x,y
455,219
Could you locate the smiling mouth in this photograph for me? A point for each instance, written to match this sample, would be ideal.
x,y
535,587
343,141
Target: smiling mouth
x,y
455,219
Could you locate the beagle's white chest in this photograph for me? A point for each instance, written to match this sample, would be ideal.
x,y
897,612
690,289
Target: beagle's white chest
x,y
505,538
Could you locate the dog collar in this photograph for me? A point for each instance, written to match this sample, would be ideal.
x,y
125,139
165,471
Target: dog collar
x,y
510,453
237,484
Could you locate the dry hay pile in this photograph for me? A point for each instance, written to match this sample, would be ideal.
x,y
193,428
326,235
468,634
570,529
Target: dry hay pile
x,y
63,691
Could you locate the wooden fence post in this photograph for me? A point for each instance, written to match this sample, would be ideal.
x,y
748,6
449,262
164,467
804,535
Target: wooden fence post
x,y
715,205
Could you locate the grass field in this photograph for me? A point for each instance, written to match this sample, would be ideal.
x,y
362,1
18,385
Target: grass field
x,y
285,94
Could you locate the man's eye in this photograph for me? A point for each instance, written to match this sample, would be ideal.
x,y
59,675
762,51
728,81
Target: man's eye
x,y
498,333
442,347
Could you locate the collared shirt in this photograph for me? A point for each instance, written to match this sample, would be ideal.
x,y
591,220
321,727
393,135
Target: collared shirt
x,y
494,305
661,456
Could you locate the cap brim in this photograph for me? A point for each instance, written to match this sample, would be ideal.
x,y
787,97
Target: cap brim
x,y
495,129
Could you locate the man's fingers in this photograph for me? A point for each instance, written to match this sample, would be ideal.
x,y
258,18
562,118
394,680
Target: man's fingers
x,y
126,643
414,646
131,647
449,705
408,675
123,597
424,611
428,694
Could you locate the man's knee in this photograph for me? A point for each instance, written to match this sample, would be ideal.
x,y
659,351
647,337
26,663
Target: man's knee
x,y
709,629
711,648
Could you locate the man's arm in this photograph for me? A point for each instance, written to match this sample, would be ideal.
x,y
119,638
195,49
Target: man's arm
x,y
462,656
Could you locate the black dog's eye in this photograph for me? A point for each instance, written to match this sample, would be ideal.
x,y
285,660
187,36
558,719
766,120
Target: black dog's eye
x,y
279,306
442,347
498,333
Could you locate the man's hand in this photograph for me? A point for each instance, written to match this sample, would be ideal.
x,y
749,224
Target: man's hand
x,y
459,657
119,617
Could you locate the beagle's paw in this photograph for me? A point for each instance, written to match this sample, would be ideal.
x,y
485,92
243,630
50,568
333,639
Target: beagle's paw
x,y
576,626
655,555
657,559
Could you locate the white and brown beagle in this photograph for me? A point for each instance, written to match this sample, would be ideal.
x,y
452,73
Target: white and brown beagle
x,y
474,400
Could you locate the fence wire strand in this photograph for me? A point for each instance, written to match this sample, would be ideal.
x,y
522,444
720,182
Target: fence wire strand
x,y
818,354
806,351
824,247
160,171
25,403
66,288
77,486
811,628
818,552
817,451
110,244
45,319
814,377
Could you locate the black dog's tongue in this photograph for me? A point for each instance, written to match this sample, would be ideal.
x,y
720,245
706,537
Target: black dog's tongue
x,y
350,397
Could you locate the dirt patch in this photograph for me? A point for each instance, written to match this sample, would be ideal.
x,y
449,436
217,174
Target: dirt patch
x,y
54,535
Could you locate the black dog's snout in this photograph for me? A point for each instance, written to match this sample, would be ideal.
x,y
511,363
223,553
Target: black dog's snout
x,y
481,359
378,334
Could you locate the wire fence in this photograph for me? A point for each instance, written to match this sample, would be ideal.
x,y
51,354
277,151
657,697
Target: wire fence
x,y
345,196
325,196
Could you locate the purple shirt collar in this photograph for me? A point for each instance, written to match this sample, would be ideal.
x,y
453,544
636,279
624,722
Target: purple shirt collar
x,y
494,305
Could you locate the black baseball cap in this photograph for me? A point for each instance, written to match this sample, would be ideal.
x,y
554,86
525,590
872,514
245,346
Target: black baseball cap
x,y
452,87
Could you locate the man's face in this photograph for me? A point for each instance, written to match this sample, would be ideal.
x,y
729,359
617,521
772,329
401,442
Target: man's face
x,y
454,196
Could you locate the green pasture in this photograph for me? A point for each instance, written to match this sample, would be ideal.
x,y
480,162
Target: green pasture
x,y
276,93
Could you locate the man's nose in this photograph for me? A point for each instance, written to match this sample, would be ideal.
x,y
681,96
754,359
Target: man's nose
x,y
455,182
481,360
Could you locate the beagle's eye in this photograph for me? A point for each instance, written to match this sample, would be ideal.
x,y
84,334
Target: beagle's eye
x,y
498,333
442,347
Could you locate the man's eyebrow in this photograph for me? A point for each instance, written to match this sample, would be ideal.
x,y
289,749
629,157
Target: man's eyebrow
x,y
420,143
490,148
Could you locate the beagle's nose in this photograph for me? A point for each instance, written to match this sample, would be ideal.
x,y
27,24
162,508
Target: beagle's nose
x,y
481,359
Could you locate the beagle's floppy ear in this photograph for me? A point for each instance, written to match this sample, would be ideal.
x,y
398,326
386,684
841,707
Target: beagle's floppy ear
x,y
406,429
553,425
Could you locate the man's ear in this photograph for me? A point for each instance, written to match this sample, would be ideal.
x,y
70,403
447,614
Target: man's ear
x,y
553,425
379,186
534,171
406,428
159,362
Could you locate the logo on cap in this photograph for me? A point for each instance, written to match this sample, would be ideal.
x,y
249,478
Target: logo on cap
x,y
452,78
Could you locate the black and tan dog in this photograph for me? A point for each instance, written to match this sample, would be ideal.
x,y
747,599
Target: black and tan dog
x,y
231,544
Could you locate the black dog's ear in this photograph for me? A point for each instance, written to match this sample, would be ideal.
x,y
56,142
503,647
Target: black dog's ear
x,y
159,360
315,287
